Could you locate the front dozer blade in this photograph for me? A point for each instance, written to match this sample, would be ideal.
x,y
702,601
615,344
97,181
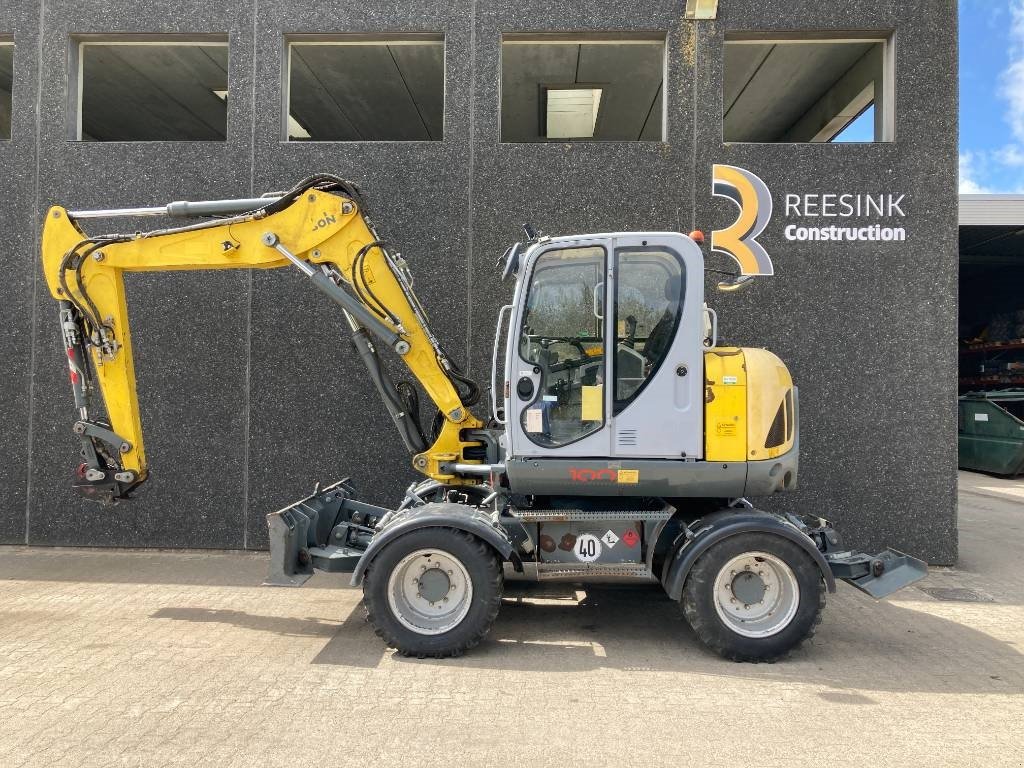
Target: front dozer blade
x,y
288,532
328,530
877,575
294,530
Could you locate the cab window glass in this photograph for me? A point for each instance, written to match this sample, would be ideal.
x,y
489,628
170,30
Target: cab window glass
x,y
648,304
563,335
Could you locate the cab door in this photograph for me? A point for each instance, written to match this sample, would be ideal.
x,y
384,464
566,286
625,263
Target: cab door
x,y
605,353
656,347
556,354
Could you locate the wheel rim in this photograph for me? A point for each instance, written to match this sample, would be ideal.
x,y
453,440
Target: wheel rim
x,y
430,591
756,594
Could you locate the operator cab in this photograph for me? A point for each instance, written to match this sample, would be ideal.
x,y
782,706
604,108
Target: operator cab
x,y
604,353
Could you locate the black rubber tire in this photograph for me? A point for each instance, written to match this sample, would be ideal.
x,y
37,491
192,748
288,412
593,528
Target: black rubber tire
x,y
484,570
698,598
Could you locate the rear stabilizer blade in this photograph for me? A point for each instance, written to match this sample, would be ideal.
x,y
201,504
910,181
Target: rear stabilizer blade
x,y
877,575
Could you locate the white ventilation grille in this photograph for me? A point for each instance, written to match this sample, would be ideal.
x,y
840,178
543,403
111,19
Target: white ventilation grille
x,y
626,437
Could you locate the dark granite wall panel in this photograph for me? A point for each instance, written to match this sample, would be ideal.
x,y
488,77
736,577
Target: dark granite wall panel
x,y
19,23
868,329
190,330
566,188
315,415
250,389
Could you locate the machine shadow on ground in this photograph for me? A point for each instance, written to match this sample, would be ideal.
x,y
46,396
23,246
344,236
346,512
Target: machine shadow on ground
x,y
877,646
871,646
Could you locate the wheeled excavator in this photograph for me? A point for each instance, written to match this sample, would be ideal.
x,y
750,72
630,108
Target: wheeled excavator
x,y
620,442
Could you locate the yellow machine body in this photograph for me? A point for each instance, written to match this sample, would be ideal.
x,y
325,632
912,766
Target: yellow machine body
x,y
585,513
749,406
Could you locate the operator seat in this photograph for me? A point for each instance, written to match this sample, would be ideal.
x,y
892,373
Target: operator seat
x,y
661,335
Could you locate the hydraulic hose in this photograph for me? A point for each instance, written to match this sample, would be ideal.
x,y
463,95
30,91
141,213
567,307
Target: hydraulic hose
x,y
408,428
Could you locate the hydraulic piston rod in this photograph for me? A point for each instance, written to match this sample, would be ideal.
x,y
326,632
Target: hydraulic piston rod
x,y
181,209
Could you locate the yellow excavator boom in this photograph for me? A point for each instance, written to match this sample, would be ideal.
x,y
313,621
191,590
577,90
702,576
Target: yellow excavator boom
x,y
319,227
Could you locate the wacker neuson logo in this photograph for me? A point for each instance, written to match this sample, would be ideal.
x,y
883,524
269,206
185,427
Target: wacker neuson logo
x,y
821,217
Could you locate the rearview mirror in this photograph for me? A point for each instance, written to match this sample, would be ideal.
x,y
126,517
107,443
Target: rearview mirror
x,y
511,261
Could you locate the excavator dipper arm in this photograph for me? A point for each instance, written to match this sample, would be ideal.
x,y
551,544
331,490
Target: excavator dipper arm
x,y
318,227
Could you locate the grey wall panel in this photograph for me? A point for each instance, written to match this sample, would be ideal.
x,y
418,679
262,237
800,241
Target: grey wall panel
x,y
315,415
250,391
570,187
18,257
190,329
868,329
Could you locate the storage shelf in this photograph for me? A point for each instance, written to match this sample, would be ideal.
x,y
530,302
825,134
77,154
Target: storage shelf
x,y
984,381
993,346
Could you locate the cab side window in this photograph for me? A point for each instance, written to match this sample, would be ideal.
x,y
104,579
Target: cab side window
x,y
563,335
650,284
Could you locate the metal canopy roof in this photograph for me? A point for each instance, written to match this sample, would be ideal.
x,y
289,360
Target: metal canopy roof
x,y
629,74
992,229
991,210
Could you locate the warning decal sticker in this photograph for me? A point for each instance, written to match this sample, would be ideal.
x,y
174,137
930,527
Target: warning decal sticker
x,y
610,539
534,420
630,538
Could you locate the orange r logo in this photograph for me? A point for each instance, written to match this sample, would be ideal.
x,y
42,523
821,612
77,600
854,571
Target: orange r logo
x,y
754,200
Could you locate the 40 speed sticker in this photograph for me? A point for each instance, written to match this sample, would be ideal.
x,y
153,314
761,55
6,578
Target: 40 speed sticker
x,y
588,548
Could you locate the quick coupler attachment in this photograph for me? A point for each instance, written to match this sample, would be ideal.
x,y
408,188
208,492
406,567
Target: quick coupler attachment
x,y
877,575
106,486
328,531
95,478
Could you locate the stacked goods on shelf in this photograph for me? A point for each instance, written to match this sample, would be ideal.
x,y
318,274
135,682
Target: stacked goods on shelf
x,y
995,357
1006,327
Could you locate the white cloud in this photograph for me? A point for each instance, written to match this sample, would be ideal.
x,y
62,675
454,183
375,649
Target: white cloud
x,y
1012,155
1013,76
968,185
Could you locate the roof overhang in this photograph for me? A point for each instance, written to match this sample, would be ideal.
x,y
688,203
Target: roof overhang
x,y
992,210
992,229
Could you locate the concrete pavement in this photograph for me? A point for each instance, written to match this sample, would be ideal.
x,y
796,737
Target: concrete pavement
x,y
144,658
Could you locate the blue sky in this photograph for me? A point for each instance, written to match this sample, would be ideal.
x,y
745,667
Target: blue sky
x,y
992,96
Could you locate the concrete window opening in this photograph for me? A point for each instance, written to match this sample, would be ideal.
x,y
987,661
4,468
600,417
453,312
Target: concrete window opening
x,y
354,89
808,90
582,89
152,90
6,86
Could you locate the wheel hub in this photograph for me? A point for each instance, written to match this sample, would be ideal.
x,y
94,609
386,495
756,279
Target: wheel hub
x,y
756,594
430,591
748,587
434,584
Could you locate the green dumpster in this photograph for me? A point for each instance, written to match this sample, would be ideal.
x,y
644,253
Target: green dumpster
x,y
991,432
